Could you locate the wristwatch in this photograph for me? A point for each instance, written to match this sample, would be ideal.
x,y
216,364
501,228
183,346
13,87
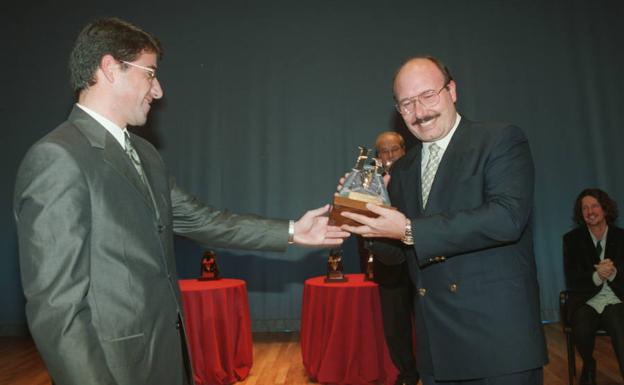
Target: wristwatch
x,y
291,232
408,239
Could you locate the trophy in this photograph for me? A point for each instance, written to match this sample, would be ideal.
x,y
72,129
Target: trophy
x,y
209,267
364,184
368,274
335,271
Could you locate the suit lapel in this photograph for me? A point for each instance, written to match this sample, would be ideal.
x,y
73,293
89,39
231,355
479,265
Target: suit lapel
x,y
610,245
120,161
113,153
589,248
410,182
450,164
147,162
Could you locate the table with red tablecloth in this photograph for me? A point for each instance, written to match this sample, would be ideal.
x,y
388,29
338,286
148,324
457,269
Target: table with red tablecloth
x,y
218,329
342,339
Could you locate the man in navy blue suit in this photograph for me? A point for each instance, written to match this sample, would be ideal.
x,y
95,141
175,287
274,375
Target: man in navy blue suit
x,y
464,198
395,287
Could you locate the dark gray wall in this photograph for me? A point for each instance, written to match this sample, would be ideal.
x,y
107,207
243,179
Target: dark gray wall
x,y
266,101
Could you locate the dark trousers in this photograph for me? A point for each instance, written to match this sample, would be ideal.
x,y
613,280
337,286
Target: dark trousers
x,y
529,377
586,320
396,310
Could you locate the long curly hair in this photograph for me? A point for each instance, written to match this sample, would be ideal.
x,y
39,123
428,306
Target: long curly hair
x,y
608,205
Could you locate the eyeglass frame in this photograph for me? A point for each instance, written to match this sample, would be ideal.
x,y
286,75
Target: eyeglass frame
x,y
151,72
416,98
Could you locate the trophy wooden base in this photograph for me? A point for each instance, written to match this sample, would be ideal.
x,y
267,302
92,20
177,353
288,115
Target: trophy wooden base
x,y
213,278
336,279
353,205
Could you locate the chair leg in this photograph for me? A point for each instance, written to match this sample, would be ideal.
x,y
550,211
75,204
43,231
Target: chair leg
x,y
571,358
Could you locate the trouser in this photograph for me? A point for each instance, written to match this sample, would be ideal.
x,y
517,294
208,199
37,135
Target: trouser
x,y
396,309
529,377
586,320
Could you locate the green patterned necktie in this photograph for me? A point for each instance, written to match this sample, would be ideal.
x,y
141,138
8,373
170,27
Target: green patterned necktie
x,y
136,161
134,157
430,171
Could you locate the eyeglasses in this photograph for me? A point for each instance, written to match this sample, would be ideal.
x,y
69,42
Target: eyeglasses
x,y
389,151
428,99
151,73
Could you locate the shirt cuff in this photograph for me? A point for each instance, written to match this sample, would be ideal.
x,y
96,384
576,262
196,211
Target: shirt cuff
x,y
596,279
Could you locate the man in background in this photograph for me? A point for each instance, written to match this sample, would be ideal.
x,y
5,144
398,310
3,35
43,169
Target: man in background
x,y
96,212
464,199
395,287
593,260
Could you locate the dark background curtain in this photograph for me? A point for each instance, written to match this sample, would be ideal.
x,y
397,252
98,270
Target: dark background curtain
x,y
266,102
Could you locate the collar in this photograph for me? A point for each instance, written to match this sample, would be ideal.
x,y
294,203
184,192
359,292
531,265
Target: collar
x,y
604,236
117,132
444,142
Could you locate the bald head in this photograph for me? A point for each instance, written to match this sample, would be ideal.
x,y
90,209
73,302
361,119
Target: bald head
x,y
390,146
425,95
419,60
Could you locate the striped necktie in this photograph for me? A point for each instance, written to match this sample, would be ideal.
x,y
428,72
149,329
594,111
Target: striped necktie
x,y
136,161
430,171
134,157
598,249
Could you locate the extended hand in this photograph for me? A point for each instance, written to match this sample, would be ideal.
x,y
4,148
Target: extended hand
x,y
312,229
389,224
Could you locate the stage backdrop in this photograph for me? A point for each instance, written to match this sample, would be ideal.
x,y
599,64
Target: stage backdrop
x,y
266,102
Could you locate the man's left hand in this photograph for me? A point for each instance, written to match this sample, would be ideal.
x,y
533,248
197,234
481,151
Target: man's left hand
x,y
389,224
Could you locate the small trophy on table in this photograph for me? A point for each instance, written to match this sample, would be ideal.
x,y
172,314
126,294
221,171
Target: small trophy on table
x,y
335,271
364,184
209,267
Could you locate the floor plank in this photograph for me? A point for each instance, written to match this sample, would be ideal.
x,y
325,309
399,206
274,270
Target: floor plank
x,y
277,360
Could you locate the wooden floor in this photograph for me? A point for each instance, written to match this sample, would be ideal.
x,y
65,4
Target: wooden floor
x,y
277,360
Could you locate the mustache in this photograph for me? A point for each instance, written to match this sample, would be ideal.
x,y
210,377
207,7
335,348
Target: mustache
x,y
425,119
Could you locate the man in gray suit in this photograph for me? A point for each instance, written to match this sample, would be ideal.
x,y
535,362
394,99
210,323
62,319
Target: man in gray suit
x,y
464,195
96,213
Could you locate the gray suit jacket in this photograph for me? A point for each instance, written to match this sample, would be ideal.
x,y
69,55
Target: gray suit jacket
x,y
97,263
477,301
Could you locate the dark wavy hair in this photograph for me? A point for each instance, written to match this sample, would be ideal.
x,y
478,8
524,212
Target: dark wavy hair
x,y
108,36
608,205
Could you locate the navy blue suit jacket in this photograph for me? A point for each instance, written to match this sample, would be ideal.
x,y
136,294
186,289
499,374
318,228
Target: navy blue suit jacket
x,y
477,300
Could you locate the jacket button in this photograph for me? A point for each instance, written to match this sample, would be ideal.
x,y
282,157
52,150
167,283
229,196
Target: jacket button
x,y
422,291
453,288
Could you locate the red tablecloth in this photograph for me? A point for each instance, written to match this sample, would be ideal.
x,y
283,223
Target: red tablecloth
x,y
219,329
342,339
